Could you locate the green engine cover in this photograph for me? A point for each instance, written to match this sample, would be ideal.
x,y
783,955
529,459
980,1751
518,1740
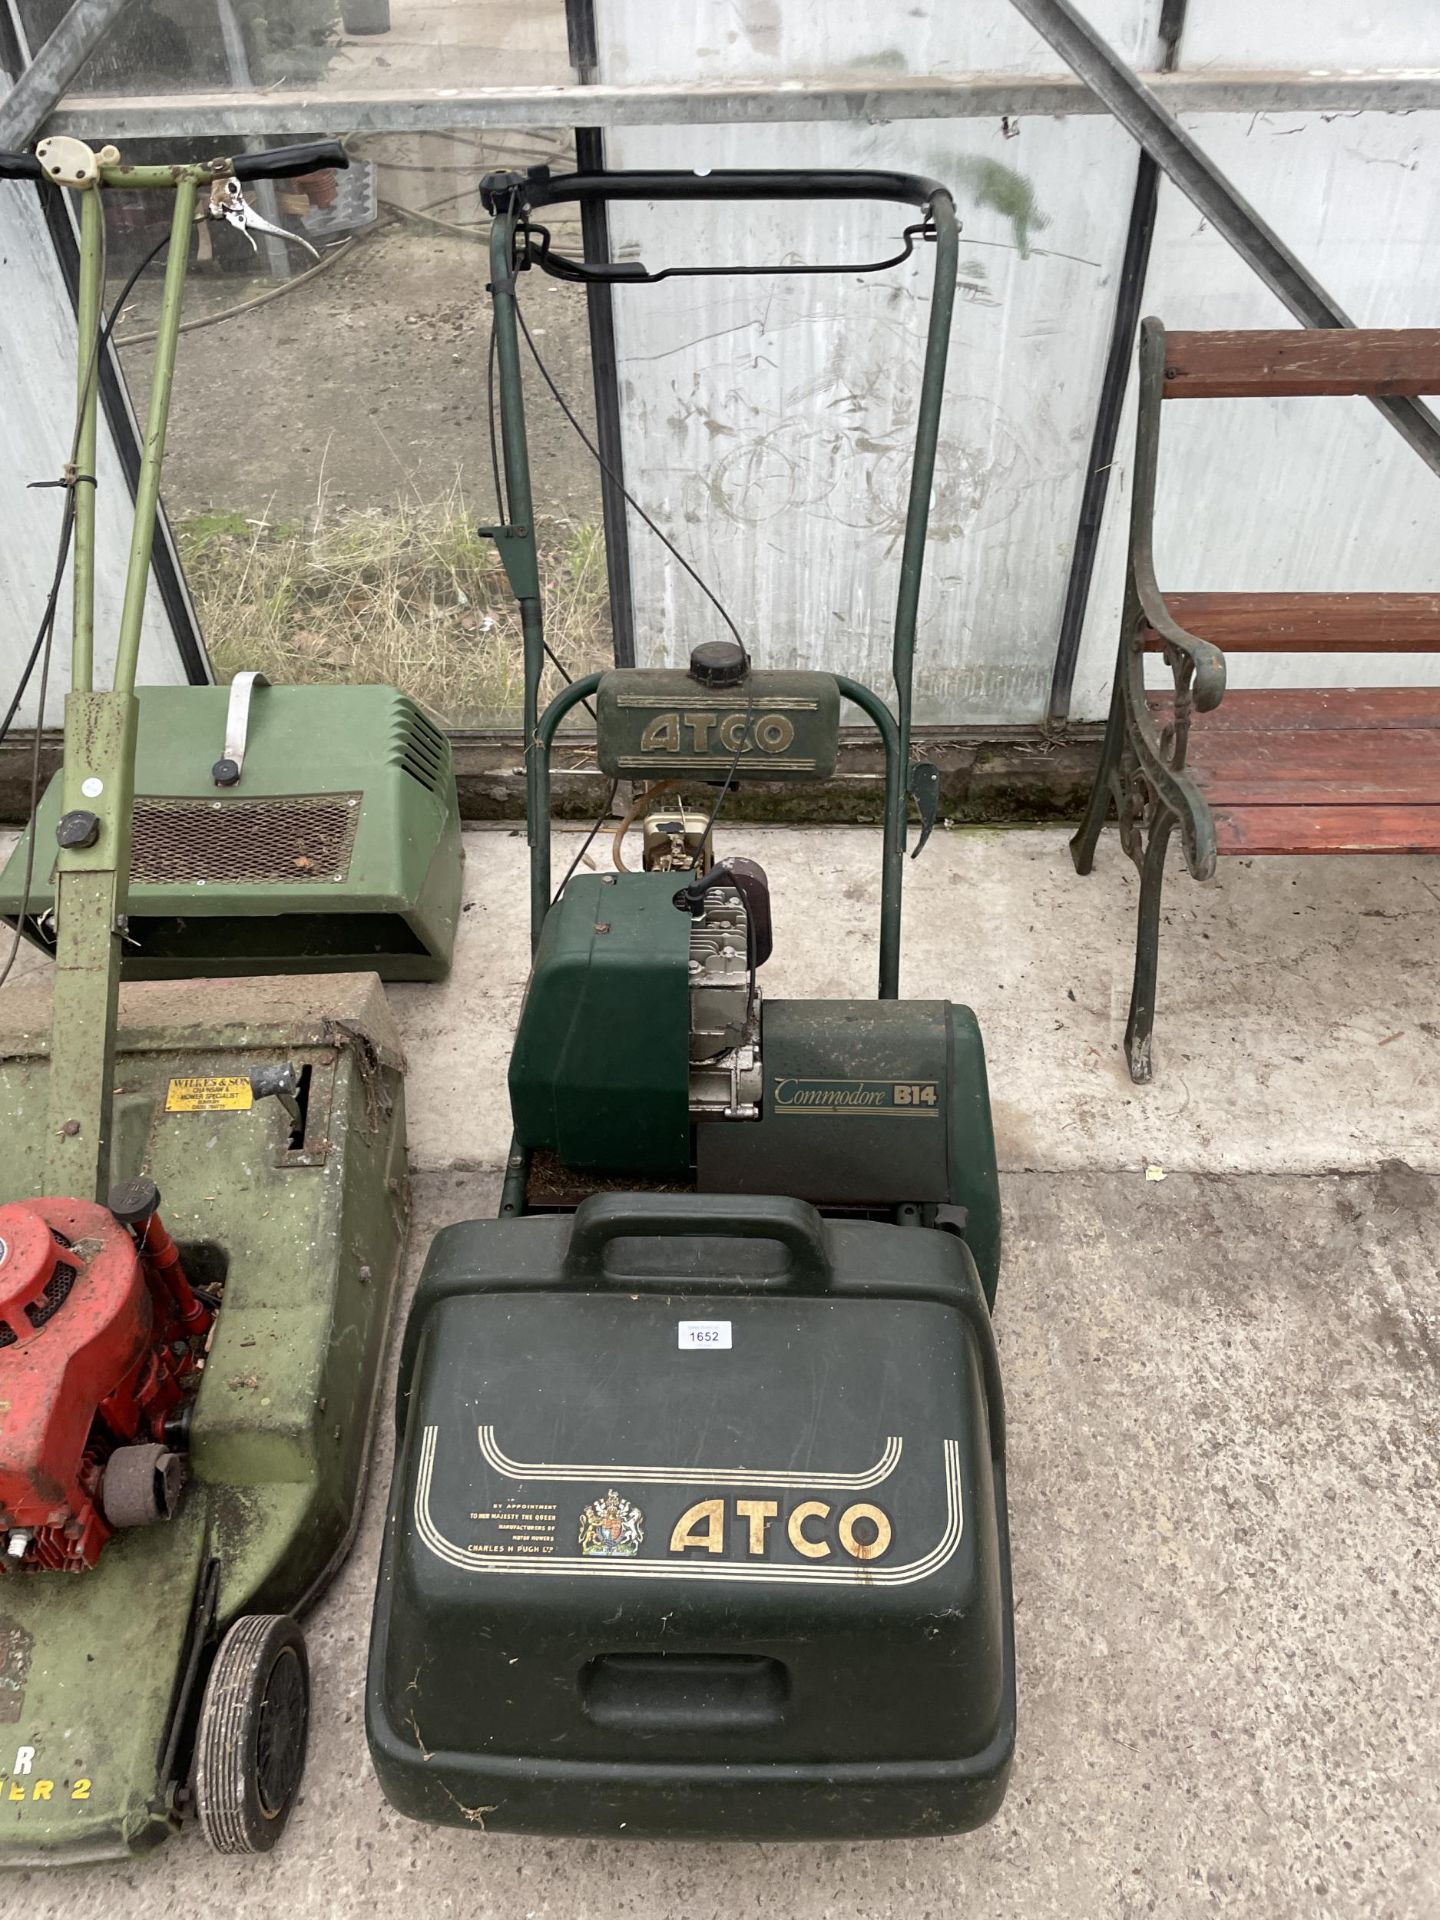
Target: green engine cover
x,y
868,1103
339,849
600,1070
654,723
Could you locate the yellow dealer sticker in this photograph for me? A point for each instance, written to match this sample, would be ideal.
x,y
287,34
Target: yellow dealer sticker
x,y
222,1093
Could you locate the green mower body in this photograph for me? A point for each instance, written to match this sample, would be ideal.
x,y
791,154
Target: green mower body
x,y
698,1524
864,1105
301,1226
338,848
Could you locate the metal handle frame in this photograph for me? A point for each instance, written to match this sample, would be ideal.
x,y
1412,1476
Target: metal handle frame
x,y
893,850
98,776
517,543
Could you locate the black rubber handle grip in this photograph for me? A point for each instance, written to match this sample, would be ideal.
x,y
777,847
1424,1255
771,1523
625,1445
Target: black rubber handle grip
x,y
689,1217
281,163
20,166
542,189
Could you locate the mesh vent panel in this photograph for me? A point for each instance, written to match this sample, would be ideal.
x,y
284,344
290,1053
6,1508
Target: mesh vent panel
x,y
293,839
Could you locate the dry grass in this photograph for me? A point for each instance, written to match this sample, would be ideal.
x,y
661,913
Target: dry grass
x,y
412,597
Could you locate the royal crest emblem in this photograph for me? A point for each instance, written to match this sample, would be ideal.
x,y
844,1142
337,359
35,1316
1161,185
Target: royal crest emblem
x,y
611,1526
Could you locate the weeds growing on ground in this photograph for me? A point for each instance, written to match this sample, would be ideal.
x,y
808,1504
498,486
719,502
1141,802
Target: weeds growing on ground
x,y
410,596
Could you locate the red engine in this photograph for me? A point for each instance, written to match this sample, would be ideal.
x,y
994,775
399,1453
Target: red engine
x,y
101,1340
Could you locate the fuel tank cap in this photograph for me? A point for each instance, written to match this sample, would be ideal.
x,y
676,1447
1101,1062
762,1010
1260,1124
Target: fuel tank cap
x,y
718,663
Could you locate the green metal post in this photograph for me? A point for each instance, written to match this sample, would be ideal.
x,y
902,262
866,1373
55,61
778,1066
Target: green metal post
x,y
152,452
91,881
922,472
87,324
893,856
541,737
917,520
518,550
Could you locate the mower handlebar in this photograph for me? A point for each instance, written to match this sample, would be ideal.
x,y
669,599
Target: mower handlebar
x,y
540,188
282,163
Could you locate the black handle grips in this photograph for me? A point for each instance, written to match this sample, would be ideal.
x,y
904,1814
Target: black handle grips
x,y
280,163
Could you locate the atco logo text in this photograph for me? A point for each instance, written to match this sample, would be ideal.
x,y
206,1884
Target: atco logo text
x,y
716,733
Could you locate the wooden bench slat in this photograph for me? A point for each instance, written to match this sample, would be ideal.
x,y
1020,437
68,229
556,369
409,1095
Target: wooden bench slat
x,y
1337,768
1291,360
1312,709
1308,622
1330,829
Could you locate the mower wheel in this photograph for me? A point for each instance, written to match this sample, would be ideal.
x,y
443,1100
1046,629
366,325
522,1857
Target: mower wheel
x,y
141,1485
250,1746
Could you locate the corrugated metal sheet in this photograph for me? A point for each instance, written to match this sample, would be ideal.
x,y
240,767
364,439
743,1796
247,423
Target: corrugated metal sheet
x,y
37,381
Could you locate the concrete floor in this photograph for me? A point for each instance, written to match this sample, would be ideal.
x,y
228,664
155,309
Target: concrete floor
x,y
1223,1403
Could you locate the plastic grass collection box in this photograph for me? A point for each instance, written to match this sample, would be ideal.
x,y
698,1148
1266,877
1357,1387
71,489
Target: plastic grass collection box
x,y
697,1528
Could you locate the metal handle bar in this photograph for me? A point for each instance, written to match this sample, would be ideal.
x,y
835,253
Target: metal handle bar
x,y
540,188
280,163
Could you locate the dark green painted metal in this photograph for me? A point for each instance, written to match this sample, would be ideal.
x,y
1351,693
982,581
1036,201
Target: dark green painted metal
x,y
366,748
892,869
974,1173
537,795
653,723
519,559
517,545
922,471
856,1705
868,1104
600,1069
309,1243
893,848
518,542
1142,771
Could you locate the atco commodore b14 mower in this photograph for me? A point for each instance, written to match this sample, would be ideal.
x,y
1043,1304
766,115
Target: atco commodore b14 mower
x,y
698,1520
186,1397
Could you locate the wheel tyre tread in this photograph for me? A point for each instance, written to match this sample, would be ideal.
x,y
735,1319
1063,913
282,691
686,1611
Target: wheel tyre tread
x,y
223,1778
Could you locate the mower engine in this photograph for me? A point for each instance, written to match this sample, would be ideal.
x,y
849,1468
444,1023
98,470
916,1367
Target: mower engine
x,y
101,1345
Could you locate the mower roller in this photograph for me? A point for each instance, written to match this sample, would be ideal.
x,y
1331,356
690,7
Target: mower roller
x,y
698,1521
202,1211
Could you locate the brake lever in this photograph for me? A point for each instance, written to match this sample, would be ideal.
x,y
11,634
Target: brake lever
x,y
228,203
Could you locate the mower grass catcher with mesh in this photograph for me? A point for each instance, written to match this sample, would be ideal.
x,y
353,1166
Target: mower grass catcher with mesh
x,y
698,1521
186,1396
